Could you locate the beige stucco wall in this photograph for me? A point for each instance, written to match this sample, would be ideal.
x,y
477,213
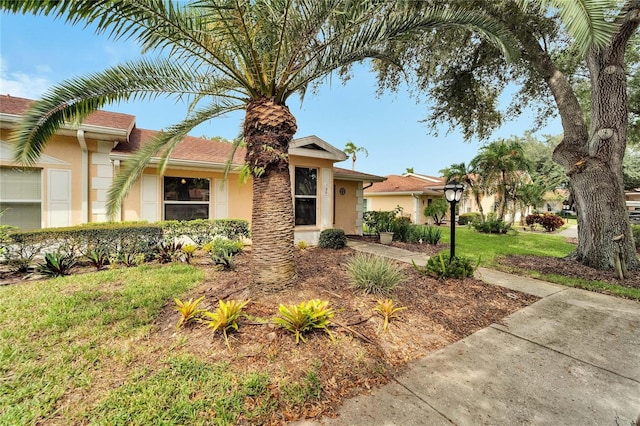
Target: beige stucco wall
x,y
62,153
407,202
239,194
346,213
88,190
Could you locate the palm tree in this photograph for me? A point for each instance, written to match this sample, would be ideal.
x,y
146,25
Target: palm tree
x,y
223,56
499,164
351,150
472,181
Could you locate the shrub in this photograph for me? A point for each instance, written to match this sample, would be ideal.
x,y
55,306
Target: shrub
x,y
373,274
5,240
492,226
551,222
424,234
636,235
203,230
442,267
302,245
115,238
20,255
380,221
432,235
333,239
468,218
222,250
401,227
57,264
437,209
307,316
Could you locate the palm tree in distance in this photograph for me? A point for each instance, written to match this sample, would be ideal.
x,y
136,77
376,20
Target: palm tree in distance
x,y
499,164
351,150
224,56
471,180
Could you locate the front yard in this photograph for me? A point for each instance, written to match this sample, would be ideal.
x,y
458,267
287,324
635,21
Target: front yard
x,y
103,348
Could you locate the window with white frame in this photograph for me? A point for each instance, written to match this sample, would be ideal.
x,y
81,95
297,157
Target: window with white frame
x,y
21,197
306,195
186,198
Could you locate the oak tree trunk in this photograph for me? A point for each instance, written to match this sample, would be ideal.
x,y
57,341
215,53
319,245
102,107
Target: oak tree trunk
x,y
593,157
268,131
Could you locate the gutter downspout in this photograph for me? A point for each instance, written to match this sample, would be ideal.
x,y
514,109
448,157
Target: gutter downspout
x,y
416,208
85,176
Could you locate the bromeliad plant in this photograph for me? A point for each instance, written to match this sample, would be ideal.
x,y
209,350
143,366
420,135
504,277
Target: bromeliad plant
x,y
188,251
98,257
57,264
189,311
388,310
225,317
305,317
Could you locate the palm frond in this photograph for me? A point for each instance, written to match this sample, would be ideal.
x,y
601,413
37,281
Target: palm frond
x,y
354,37
585,20
73,100
164,143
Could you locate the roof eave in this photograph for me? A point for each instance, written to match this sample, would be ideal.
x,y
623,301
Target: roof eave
x,y
190,164
9,121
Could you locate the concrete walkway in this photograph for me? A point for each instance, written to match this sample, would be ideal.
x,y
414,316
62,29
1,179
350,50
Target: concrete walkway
x,y
572,358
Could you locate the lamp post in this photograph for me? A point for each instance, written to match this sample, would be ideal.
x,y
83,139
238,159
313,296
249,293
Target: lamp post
x,y
453,193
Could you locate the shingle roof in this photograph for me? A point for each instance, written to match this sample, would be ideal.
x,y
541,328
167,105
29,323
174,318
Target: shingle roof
x,y
341,173
115,120
189,149
395,183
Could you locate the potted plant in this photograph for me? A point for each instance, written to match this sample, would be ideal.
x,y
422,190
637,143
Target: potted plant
x,y
386,237
385,230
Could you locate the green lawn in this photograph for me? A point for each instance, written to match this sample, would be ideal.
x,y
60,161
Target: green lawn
x,y
487,247
75,350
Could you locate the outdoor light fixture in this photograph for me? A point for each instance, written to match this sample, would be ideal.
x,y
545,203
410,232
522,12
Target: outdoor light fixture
x,y
453,193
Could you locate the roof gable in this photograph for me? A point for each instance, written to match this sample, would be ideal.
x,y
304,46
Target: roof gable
x,y
407,184
313,146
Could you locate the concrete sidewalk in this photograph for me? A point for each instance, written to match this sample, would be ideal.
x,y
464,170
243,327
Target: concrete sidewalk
x,y
572,358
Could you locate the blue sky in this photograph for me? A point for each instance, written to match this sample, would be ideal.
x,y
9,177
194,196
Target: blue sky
x,y
37,52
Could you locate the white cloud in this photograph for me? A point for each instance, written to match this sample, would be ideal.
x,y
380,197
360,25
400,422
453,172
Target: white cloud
x,y
23,85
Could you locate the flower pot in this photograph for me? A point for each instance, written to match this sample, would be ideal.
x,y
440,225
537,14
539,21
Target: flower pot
x,y
386,237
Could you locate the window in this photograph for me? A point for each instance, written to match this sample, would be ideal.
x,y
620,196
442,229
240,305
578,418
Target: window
x,y
186,198
21,197
306,195
365,205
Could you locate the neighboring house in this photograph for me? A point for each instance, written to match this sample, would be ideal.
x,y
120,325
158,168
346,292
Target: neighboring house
x,y
633,199
411,191
555,201
69,183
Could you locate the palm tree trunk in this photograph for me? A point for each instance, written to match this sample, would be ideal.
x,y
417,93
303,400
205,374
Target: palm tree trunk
x,y
268,131
272,233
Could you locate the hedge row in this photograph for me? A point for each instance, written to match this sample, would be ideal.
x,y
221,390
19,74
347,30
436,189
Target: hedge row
x,y
124,237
